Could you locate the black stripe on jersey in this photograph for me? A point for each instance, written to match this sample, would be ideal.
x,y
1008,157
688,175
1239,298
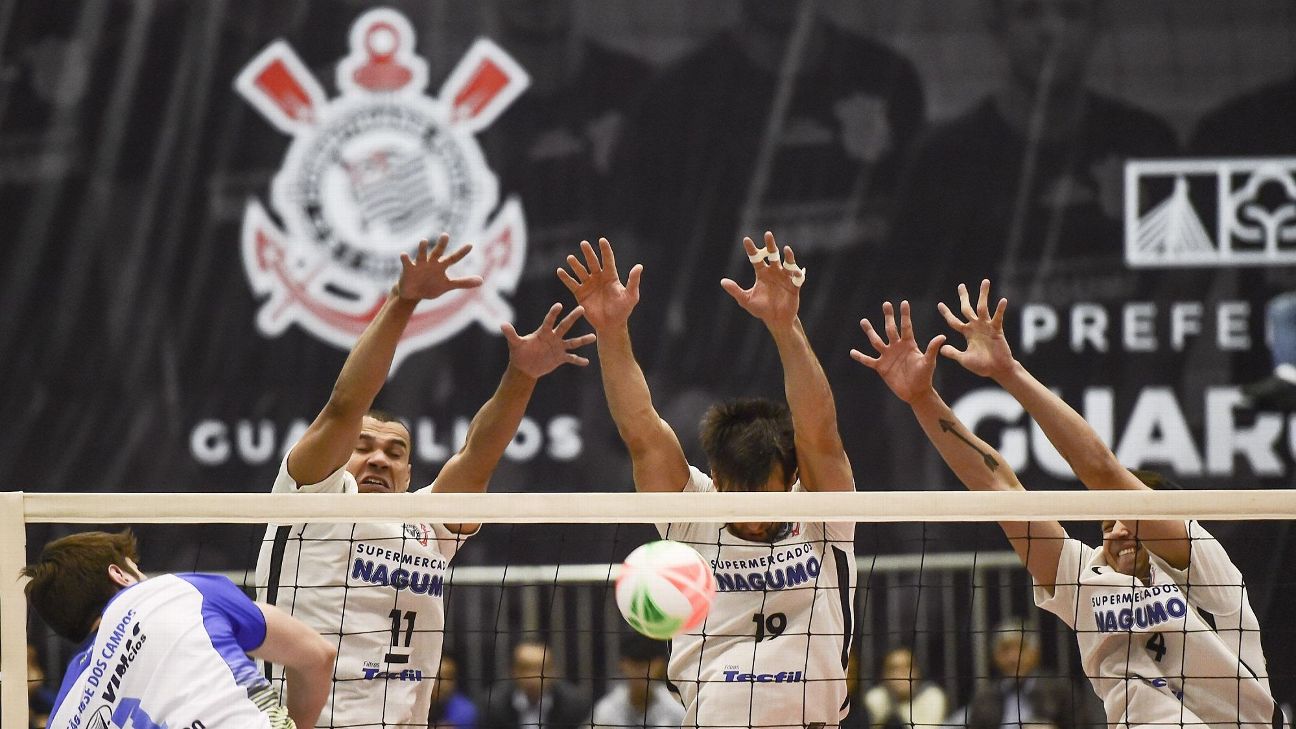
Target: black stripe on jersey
x,y
273,576
1279,721
1209,618
276,563
844,579
1248,668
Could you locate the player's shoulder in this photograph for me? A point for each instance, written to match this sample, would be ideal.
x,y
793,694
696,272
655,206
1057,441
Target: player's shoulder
x,y
339,481
699,481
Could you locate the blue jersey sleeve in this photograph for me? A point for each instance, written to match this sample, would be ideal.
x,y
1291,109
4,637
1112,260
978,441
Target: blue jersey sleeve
x,y
222,599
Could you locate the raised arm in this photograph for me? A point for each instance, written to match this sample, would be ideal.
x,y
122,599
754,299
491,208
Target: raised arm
x,y
658,461
908,371
493,427
775,299
989,355
328,442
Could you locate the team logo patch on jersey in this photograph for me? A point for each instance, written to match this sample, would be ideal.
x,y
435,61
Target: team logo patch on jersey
x,y
421,532
371,172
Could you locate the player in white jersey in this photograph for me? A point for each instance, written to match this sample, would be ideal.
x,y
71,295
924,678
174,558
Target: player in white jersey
x,y
1166,631
375,589
168,651
773,649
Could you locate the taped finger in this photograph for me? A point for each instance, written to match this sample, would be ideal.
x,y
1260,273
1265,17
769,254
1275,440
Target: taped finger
x,y
798,273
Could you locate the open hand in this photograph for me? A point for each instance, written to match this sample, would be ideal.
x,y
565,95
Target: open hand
x,y
544,350
904,368
775,296
598,288
987,353
425,276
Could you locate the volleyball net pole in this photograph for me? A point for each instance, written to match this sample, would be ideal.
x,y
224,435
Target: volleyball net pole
x,y
13,611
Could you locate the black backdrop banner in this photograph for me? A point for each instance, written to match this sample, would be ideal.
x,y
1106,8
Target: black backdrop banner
x,y
203,201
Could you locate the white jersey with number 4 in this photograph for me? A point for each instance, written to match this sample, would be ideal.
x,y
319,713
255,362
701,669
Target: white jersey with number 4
x,y
772,651
374,590
1183,649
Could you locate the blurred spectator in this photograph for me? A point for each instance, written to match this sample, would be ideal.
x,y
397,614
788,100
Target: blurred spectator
x,y
40,697
450,706
642,699
1278,390
1020,696
857,717
1259,122
536,697
902,700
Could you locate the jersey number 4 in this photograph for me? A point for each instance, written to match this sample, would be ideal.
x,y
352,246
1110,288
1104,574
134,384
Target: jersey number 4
x,y
1156,646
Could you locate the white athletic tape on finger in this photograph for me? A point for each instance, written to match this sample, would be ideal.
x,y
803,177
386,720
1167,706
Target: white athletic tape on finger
x,y
798,273
763,254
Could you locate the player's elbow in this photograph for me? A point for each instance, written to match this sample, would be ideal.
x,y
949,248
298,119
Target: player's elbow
x,y
642,434
1099,469
318,658
1092,462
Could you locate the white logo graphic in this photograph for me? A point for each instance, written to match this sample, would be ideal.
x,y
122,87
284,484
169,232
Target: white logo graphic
x,y
370,173
1210,212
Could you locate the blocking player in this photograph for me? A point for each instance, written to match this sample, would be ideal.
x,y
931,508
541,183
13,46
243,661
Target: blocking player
x,y
1165,628
772,652
171,650
375,589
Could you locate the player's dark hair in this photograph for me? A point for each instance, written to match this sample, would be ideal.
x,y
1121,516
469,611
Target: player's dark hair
x,y
1155,480
641,648
744,439
383,416
69,581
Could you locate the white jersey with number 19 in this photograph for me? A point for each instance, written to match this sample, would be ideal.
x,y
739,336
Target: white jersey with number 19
x,y
1181,649
374,590
772,651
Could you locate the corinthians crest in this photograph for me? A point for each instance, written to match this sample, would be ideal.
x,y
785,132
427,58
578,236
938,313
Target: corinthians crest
x,y
370,173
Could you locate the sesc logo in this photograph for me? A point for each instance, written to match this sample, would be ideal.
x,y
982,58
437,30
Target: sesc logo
x,y
370,173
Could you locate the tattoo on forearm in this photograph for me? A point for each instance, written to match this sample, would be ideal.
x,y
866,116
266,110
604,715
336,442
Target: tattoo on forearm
x,y
949,426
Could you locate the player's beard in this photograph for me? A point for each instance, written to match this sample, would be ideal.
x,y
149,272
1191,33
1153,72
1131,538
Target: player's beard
x,y
767,532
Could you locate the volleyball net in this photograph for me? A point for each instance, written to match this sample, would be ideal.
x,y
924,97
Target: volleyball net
x,y
937,603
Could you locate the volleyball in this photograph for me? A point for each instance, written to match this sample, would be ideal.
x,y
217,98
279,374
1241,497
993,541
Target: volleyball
x,y
664,589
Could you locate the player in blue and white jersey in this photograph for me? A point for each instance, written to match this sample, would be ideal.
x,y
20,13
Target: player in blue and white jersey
x,y
168,651
1162,617
375,589
772,651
